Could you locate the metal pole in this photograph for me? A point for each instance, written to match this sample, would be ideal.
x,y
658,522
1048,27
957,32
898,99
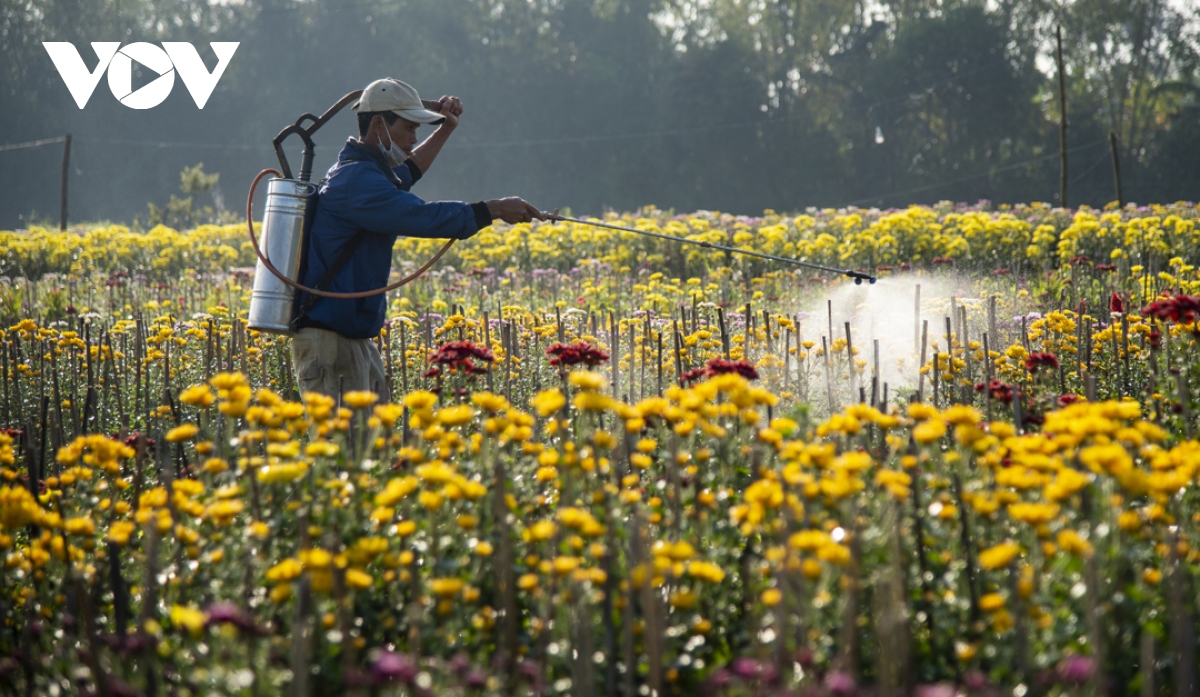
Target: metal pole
x,y
1062,123
66,166
858,276
1116,160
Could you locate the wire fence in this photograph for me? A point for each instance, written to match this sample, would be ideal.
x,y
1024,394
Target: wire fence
x,y
32,143
879,197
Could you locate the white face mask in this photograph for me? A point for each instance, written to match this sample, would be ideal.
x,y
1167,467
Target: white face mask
x,y
392,153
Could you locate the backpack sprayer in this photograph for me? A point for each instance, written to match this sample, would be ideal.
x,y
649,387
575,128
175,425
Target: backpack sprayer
x,y
288,215
291,203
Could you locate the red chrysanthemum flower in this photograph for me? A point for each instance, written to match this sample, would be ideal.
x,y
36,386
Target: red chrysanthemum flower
x,y
997,391
1181,308
721,366
459,356
1039,359
575,353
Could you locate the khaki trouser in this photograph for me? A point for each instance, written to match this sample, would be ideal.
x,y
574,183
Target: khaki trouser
x,y
331,364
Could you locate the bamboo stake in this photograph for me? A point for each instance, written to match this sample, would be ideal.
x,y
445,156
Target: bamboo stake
x,y
920,375
1128,378
487,341
1182,628
829,315
404,359
1146,663
724,333
678,356
240,331
965,338
660,363
633,350
850,357
936,376
615,336
766,317
875,377
787,338
992,318
987,385
828,376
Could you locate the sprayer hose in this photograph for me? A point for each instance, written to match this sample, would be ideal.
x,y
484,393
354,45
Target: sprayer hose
x,y
324,293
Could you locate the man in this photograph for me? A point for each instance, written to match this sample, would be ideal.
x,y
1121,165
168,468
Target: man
x,y
364,204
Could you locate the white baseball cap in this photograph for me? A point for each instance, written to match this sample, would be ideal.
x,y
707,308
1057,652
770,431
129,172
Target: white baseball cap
x,y
400,98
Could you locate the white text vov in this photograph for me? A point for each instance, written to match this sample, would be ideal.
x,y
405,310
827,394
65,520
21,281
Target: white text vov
x,y
173,57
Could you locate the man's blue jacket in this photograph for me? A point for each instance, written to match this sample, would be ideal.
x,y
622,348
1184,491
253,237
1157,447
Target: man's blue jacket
x,y
359,196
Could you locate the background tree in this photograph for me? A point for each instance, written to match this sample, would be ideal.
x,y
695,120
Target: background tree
x,y
736,105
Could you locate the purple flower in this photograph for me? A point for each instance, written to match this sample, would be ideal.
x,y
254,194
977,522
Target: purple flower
x,y
476,679
389,666
718,681
940,689
840,683
975,680
1076,670
746,668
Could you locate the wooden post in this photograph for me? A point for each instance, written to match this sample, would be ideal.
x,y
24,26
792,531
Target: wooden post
x,y
1062,122
1116,160
66,167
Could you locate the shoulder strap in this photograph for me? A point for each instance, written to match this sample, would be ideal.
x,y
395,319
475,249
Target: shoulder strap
x,y
330,274
361,155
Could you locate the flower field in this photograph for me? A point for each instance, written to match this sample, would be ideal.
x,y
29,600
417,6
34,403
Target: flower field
x,y
606,465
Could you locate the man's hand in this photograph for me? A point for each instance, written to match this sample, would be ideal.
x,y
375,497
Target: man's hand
x,y
514,210
451,108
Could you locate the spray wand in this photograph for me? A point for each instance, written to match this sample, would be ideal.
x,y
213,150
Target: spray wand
x,y
272,299
858,276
